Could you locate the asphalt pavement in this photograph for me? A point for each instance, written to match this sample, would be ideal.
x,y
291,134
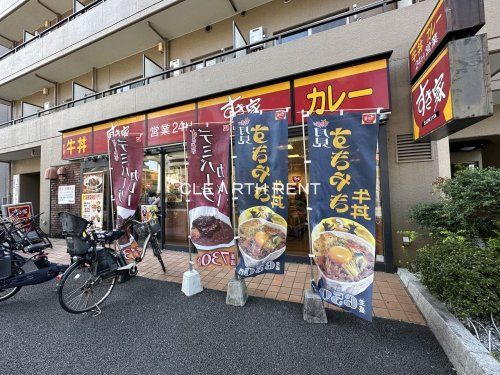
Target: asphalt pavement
x,y
150,327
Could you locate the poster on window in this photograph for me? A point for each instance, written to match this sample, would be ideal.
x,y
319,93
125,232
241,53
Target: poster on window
x,y
93,197
342,151
261,173
207,149
126,156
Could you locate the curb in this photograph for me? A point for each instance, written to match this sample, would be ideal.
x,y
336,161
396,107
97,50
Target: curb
x,y
468,356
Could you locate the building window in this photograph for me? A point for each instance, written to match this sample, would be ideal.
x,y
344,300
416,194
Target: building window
x,y
312,30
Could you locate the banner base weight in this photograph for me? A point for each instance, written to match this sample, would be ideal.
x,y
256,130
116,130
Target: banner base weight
x,y
237,294
191,283
313,310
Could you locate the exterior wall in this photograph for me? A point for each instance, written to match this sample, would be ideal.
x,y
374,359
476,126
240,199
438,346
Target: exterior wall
x,y
72,178
25,166
4,182
485,128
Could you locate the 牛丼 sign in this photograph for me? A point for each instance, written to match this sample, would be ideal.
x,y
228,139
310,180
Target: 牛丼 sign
x,y
449,18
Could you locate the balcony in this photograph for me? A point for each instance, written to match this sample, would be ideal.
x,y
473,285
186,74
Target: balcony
x,y
104,34
137,30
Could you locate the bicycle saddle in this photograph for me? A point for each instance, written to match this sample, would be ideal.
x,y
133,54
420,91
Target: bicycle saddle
x,y
114,234
37,247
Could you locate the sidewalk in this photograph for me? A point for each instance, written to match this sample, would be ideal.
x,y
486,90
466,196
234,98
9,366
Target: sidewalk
x,y
390,299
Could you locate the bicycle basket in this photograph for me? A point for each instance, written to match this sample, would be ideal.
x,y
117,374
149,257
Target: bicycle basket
x,y
77,246
71,224
155,226
141,229
73,228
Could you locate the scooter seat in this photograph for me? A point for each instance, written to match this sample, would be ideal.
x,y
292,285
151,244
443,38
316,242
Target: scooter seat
x,y
37,247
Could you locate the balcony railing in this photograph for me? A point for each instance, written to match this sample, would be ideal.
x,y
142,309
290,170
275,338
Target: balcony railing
x,y
48,30
233,53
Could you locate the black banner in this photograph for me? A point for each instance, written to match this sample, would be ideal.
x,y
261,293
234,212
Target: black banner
x,y
261,175
342,150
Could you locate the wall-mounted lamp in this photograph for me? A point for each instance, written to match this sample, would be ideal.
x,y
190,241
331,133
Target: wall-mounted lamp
x,y
51,173
46,23
62,172
160,47
45,91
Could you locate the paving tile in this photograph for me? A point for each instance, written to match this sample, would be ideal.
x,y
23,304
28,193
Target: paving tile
x,y
398,314
390,299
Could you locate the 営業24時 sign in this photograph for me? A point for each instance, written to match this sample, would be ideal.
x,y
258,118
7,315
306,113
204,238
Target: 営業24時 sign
x,y
449,18
454,91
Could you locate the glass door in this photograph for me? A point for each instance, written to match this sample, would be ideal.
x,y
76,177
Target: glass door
x,y
175,202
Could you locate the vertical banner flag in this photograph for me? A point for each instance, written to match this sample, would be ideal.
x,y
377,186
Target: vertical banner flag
x,y
210,227
342,150
261,174
126,156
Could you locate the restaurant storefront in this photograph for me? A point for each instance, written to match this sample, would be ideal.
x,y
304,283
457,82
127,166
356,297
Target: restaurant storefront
x,y
359,87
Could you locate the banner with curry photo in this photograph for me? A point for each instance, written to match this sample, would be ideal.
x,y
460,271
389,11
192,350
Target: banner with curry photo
x,y
261,175
211,232
342,192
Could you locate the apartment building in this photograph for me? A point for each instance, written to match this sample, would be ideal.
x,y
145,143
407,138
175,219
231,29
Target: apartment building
x,y
69,70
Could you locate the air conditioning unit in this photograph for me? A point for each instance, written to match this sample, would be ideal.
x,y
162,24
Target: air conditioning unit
x,y
256,35
46,105
210,62
176,64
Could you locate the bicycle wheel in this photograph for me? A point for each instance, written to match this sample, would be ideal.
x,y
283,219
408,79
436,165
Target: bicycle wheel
x,y
157,252
5,294
80,291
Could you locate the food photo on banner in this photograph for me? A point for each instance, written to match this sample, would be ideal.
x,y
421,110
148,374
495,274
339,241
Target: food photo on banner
x,y
261,175
342,183
126,155
211,232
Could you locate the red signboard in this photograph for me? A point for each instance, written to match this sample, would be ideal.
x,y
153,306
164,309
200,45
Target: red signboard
x,y
251,101
166,126
429,39
77,144
360,87
135,125
431,97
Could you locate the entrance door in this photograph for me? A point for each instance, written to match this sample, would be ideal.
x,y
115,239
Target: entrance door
x,y
29,189
175,202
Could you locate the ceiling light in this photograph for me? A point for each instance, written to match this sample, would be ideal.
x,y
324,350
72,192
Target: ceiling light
x,y
293,156
467,148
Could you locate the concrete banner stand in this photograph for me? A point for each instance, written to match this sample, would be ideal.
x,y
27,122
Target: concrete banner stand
x,y
313,310
191,283
237,294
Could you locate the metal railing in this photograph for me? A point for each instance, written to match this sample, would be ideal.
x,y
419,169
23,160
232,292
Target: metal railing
x,y
275,39
55,26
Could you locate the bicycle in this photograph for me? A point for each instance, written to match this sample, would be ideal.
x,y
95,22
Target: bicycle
x,y
17,233
12,275
89,281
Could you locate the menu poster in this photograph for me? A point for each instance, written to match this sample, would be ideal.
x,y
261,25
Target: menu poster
x,y
261,149
342,150
93,198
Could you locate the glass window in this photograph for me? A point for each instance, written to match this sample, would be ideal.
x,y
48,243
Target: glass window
x,y
297,238
329,25
151,185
